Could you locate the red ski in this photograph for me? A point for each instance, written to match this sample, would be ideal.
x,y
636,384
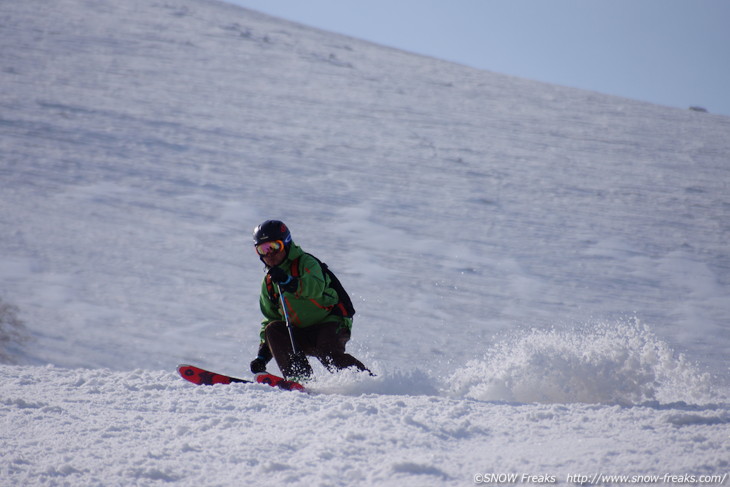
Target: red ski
x,y
199,376
276,381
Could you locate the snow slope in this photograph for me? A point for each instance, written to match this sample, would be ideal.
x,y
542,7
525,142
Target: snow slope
x,y
97,427
541,273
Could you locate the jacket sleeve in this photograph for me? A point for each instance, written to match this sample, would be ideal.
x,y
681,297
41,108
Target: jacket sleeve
x,y
268,309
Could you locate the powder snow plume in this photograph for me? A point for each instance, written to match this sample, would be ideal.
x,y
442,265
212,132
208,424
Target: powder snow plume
x,y
609,363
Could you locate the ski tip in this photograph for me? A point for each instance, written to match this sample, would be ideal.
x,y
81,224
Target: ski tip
x,y
185,370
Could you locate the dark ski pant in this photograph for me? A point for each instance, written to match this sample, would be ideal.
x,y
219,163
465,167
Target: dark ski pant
x,y
325,341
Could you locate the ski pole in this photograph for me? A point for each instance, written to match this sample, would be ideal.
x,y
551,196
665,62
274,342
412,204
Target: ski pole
x,y
288,323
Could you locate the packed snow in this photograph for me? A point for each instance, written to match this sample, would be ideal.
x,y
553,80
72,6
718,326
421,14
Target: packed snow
x,y
541,274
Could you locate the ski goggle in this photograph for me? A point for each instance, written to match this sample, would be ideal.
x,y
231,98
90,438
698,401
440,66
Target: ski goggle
x,y
267,248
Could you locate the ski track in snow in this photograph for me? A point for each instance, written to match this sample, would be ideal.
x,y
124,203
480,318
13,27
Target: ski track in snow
x,y
541,273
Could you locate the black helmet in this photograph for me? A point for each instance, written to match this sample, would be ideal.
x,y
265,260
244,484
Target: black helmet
x,y
271,230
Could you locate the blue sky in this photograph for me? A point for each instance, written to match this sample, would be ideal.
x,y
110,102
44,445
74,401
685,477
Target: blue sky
x,y
669,52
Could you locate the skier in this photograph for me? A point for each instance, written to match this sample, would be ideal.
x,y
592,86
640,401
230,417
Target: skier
x,y
320,321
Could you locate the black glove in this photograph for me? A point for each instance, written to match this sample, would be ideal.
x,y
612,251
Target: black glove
x,y
259,363
285,281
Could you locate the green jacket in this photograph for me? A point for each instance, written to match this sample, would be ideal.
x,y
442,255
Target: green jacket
x,y
313,300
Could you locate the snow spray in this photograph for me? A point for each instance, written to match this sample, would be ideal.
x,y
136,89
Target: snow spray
x,y
620,363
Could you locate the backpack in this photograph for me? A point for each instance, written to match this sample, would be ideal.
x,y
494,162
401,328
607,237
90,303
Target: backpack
x,y
343,308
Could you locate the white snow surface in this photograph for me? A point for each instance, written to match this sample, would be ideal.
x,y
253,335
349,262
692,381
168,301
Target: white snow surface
x,y
541,274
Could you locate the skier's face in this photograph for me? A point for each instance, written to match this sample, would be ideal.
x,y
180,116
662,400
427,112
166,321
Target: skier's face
x,y
274,258
272,253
